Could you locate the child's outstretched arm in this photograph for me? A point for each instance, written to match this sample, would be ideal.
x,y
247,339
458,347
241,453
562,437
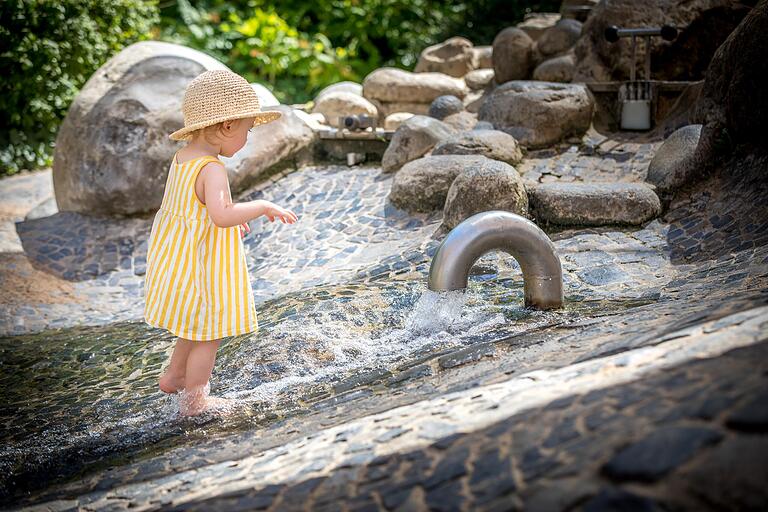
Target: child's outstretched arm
x,y
226,214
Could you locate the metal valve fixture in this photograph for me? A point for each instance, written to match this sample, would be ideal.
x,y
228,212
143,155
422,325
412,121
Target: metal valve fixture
x,y
636,96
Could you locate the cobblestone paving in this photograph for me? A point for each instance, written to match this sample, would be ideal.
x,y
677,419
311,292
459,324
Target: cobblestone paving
x,y
348,231
641,428
640,304
598,159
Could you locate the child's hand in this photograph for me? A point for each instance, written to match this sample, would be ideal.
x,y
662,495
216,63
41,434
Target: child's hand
x,y
272,212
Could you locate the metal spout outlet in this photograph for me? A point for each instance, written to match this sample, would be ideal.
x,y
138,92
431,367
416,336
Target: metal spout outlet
x,y
516,235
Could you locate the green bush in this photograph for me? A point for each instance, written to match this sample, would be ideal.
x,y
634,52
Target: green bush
x,y
48,49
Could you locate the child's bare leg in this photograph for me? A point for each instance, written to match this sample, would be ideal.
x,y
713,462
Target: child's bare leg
x,y
198,371
173,379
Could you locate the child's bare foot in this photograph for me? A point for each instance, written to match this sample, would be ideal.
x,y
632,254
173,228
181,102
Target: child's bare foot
x,y
170,383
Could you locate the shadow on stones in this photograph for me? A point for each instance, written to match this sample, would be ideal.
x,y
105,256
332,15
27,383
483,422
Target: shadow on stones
x,y
78,247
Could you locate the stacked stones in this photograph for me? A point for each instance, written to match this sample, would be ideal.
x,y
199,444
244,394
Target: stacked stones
x,y
459,153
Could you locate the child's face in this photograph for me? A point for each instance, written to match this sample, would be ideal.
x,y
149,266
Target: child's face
x,y
236,135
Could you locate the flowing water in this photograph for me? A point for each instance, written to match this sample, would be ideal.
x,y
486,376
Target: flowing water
x,y
330,307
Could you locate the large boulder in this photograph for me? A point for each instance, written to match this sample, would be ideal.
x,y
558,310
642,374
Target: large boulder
x,y
484,185
703,24
732,105
396,85
593,204
271,147
512,55
558,69
422,185
493,144
413,139
539,114
340,103
454,57
112,151
559,38
671,164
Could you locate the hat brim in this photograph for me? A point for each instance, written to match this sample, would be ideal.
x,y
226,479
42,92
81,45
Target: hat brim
x,y
262,117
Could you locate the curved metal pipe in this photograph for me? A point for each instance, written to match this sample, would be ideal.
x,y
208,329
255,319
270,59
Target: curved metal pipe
x,y
516,235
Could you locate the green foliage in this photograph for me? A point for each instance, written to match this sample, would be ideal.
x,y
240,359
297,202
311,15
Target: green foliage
x,y
48,49
300,47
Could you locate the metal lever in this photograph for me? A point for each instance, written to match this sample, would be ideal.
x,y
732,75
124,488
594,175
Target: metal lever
x,y
667,32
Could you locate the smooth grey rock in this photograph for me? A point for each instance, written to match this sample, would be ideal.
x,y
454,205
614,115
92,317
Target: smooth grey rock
x,y
485,185
474,100
270,147
660,452
479,78
345,86
396,85
414,138
539,114
512,55
559,69
422,185
752,416
593,204
340,103
493,144
443,106
454,57
671,163
112,151
559,38
461,121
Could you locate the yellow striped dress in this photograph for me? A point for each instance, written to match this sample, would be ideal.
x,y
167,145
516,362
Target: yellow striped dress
x,y
196,284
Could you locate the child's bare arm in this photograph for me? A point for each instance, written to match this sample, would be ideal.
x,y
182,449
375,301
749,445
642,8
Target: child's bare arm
x,y
223,212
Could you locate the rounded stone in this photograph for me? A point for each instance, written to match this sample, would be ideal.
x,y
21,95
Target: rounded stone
x,y
479,78
535,24
593,204
539,114
422,185
485,185
454,57
394,120
669,167
461,121
443,106
559,69
396,85
413,139
493,144
512,55
112,150
341,103
344,86
559,38
484,125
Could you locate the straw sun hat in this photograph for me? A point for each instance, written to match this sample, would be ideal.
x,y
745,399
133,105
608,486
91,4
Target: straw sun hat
x,y
216,96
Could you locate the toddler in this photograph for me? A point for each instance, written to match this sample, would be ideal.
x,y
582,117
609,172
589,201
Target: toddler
x,y
197,284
